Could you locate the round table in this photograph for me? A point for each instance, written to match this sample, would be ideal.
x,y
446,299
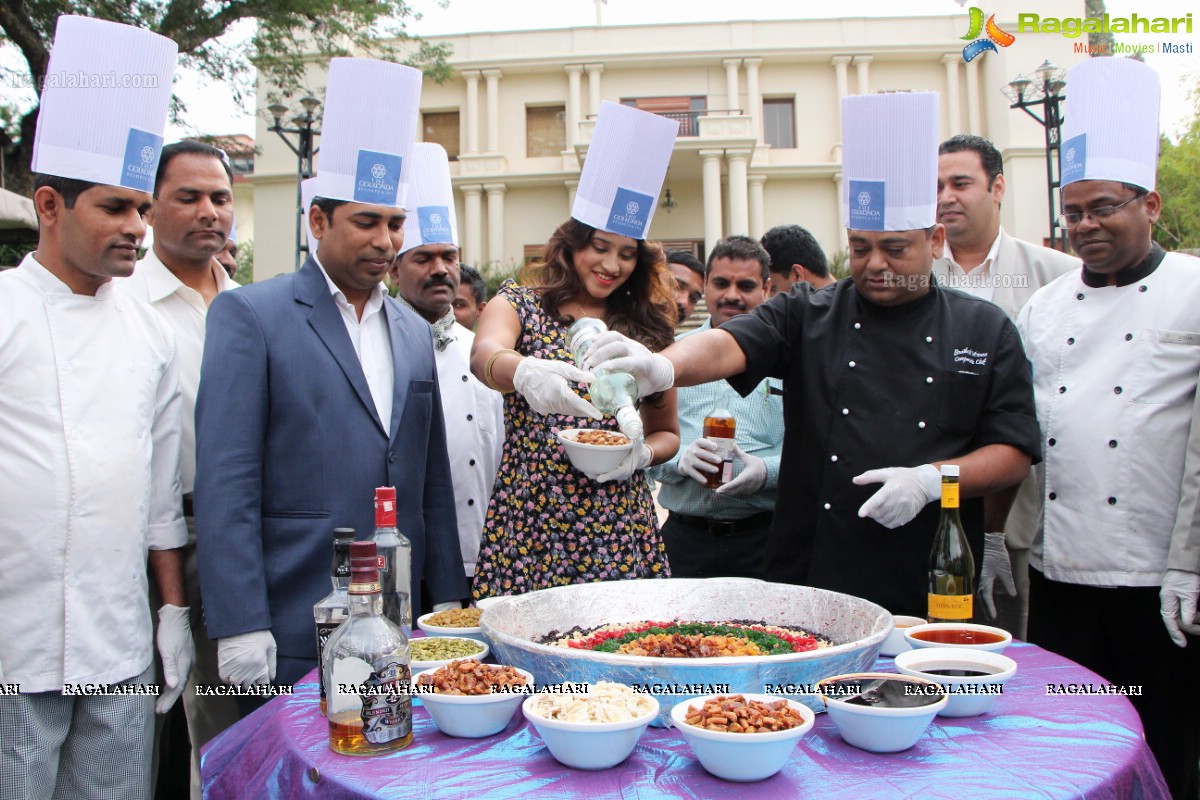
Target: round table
x,y
1040,740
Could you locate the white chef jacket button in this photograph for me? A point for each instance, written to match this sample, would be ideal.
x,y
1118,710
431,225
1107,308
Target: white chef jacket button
x,y
50,300
928,339
833,458
142,506
140,433
66,366
75,435
76,511
845,411
852,365
72,581
929,380
827,506
921,424
858,326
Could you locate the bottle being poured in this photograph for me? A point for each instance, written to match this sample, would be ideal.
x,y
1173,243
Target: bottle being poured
x,y
612,393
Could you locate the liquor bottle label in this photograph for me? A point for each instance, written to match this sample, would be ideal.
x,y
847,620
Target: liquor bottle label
x,y
951,606
386,703
324,631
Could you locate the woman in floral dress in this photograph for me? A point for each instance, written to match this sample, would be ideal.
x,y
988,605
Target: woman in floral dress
x,y
548,524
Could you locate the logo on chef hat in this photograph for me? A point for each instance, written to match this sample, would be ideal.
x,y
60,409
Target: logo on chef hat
x,y
629,214
866,213
1074,159
435,224
141,160
377,178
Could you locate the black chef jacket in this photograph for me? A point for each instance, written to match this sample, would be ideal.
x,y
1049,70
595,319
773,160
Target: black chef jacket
x,y
870,387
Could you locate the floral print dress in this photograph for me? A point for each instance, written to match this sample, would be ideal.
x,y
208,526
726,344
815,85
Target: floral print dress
x,y
548,524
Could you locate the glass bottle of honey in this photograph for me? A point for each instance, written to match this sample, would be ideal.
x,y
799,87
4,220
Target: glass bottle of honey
x,y
721,427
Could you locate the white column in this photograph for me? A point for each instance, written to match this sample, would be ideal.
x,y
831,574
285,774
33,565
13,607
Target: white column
x,y
840,205
711,172
493,109
731,82
974,125
473,210
574,113
754,95
739,192
495,223
841,66
572,187
472,77
862,66
594,71
757,224
953,106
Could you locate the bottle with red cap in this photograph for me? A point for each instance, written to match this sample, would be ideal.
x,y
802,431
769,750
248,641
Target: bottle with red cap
x,y
395,561
366,669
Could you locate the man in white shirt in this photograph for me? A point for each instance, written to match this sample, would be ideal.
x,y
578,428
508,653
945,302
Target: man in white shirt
x,y
89,469
192,215
982,260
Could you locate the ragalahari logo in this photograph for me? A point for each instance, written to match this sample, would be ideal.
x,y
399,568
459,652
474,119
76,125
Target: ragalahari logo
x,y
980,45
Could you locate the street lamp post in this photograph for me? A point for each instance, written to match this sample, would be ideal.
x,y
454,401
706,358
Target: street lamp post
x,y
1045,90
305,134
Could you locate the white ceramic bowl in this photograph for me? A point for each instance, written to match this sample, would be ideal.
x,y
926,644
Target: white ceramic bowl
x,y
878,729
969,695
741,756
420,666
591,459
472,716
935,627
590,745
437,630
895,643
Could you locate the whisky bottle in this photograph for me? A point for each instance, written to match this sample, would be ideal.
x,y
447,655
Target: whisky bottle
x,y
366,669
720,427
612,393
334,608
951,565
395,561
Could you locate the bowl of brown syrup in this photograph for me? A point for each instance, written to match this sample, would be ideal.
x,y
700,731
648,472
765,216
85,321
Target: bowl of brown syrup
x,y
964,635
973,679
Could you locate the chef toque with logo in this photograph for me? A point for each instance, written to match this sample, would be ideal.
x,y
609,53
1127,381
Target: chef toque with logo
x,y
626,163
889,161
431,218
104,103
1110,130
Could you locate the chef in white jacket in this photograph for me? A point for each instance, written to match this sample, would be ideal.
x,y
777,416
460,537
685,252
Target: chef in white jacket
x,y
1115,350
90,423
426,274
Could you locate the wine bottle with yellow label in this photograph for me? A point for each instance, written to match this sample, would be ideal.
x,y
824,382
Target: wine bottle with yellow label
x,y
951,565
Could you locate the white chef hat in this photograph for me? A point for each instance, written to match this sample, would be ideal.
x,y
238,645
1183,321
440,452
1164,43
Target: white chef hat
x,y
623,174
308,190
1110,130
889,161
366,141
431,218
104,103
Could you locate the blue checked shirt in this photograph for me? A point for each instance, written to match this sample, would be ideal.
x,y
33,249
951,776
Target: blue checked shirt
x,y
759,419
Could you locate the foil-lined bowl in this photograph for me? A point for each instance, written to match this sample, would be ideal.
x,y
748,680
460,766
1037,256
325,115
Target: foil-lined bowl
x,y
856,626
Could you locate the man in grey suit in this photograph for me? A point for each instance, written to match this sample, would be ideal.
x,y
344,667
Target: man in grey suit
x,y
983,260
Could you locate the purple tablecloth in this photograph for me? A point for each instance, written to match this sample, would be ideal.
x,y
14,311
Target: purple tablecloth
x,y
1031,745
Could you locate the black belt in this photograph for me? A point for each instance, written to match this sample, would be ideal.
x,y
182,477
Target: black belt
x,y
187,505
724,527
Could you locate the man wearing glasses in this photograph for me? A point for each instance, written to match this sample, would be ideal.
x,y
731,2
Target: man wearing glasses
x,y
1115,350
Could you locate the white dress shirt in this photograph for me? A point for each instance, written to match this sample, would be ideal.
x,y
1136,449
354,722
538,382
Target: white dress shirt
x,y
978,281
474,417
372,344
185,311
89,478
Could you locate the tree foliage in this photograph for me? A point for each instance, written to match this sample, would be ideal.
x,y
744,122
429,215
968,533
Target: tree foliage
x,y
1178,168
287,35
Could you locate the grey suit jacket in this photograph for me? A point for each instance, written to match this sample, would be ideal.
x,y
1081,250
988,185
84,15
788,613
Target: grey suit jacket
x,y
1020,269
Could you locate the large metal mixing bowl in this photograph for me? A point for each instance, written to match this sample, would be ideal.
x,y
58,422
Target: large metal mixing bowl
x,y
856,626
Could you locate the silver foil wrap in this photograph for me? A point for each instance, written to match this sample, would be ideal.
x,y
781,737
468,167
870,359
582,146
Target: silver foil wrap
x,y
856,626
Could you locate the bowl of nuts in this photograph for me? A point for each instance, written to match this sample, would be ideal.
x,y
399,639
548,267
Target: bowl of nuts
x,y
431,652
593,451
462,622
742,737
471,700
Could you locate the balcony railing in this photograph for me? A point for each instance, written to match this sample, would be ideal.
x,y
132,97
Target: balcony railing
x,y
689,121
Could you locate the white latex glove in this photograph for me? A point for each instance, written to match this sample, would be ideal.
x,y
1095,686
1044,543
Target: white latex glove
x,y
544,385
1178,596
448,606
178,654
996,565
699,460
906,490
247,659
619,353
752,477
637,458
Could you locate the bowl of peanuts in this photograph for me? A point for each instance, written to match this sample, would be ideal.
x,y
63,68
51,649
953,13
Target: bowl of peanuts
x,y
742,737
463,622
593,451
469,699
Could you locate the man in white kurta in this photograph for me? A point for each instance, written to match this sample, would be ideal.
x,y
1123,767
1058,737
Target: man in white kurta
x,y
1115,350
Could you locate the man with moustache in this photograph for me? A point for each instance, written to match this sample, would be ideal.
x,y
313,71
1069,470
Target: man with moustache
x,y
887,376
688,273
723,532
426,274
795,256
337,394
1115,349
984,260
